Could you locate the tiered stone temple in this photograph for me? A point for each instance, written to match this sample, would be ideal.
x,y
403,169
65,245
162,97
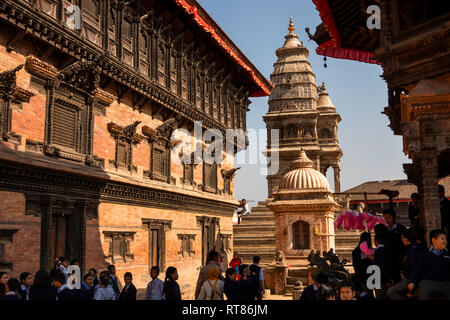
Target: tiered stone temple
x,y
306,119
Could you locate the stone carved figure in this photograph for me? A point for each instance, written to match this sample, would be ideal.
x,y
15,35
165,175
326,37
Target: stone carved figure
x,y
279,258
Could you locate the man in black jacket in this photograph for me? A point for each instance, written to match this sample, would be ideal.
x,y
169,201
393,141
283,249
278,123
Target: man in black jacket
x,y
382,258
112,275
432,274
231,286
63,291
129,290
413,252
414,210
395,243
310,292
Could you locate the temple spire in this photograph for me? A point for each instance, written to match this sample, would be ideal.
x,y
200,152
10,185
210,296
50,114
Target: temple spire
x,y
291,27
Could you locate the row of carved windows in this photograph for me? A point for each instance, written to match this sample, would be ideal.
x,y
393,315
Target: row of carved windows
x,y
155,52
119,241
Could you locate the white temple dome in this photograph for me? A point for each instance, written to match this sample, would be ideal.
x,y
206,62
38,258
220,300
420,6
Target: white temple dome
x,y
304,177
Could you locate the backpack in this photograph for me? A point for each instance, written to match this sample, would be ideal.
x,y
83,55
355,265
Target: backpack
x,y
253,280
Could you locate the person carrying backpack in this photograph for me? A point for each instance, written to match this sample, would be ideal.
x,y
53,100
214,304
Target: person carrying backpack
x,y
257,279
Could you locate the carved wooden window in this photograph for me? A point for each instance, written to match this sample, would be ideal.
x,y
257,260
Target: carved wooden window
x,y
300,235
5,117
188,171
6,237
173,72
157,230
238,116
186,245
112,31
124,137
184,81
91,21
123,148
214,101
207,99
144,53
226,242
198,91
160,161
127,41
227,186
162,67
49,7
223,106
119,246
67,121
230,121
210,176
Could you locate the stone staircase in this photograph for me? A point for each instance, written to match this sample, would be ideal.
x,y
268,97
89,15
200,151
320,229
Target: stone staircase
x,y
255,236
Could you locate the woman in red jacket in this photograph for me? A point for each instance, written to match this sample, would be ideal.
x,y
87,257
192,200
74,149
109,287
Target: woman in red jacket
x,y
235,263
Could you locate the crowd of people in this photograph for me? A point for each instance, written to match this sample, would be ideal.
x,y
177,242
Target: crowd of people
x,y
241,282
408,268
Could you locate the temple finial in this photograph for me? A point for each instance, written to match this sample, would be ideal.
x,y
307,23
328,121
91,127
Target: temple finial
x,y
291,26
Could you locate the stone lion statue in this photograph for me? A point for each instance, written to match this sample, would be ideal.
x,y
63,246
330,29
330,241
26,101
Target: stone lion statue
x,y
279,258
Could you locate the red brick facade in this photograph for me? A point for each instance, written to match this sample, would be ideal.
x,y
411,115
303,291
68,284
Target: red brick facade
x,y
105,212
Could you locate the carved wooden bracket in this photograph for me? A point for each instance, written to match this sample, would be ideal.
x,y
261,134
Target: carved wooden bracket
x,y
128,132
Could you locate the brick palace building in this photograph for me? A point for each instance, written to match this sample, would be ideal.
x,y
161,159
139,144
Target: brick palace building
x,y
86,117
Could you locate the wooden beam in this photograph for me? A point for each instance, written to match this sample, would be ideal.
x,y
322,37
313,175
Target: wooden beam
x,y
122,94
14,39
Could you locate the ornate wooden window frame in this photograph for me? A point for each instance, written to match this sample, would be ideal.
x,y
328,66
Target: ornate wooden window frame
x,y
213,167
159,140
75,87
226,242
228,176
186,245
125,237
163,226
188,171
128,136
10,94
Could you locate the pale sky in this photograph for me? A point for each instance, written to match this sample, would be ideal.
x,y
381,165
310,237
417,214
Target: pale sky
x,y
371,151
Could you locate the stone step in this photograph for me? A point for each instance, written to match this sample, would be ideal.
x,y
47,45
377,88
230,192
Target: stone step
x,y
293,280
298,272
255,243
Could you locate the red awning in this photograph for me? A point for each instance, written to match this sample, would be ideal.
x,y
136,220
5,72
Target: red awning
x,y
333,47
205,26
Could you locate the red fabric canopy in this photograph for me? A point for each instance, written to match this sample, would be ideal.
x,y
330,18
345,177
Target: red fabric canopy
x,y
333,47
205,26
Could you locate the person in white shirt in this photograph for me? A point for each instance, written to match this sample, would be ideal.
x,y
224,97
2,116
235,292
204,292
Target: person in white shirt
x,y
212,289
156,286
242,210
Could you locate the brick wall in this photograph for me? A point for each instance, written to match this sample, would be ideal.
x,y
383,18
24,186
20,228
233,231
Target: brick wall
x,y
24,252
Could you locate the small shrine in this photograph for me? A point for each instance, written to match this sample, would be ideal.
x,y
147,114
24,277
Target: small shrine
x,y
304,211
